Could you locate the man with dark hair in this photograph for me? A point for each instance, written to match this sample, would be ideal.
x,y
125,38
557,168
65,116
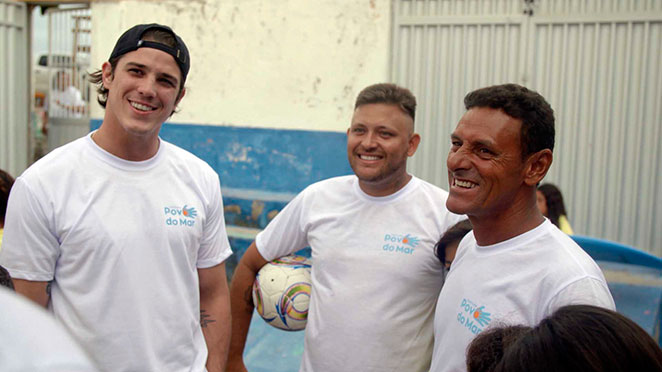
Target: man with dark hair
x,y
375,277
516,101
123,234
515,266
154,36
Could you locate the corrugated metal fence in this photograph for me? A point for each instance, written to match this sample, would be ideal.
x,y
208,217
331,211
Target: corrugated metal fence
x,y
14,96
596,61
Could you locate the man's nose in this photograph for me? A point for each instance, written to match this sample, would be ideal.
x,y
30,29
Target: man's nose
x,y
457,159
369,140
147,87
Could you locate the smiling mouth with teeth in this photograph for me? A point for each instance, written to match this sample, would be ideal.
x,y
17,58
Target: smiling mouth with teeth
x,y
464,184
141,107
369,157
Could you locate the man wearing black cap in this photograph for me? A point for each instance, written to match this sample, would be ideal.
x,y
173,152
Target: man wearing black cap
x,y
122,233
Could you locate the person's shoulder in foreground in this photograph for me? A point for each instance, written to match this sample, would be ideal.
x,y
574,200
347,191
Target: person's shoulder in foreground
x,y
33,341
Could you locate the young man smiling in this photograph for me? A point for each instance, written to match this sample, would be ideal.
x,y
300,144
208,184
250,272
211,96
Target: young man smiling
x,y
122,234
515,267
375,277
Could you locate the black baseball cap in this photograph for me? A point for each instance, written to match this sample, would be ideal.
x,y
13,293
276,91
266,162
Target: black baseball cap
x,y
132,40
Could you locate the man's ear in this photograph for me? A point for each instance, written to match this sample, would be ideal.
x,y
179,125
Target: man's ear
x,y
414,140
181,95
537,165
106,74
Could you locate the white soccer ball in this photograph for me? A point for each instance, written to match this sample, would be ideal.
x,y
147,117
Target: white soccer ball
x,y
281,292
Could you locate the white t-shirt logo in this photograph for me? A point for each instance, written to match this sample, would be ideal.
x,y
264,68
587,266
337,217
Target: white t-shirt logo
x,y
176,216
473,317
400,243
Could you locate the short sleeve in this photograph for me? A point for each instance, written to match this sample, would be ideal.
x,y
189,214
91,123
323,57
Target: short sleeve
x,y
586,291
30,248
285,234
214,246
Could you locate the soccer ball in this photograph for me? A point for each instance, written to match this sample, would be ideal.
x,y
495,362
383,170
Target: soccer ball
x,y
281,292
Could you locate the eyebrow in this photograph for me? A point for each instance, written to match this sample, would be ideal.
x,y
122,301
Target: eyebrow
x,y
485,143
378,128
480,142
163,74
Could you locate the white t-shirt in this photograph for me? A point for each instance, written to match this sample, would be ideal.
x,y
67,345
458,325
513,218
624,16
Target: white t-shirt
x,y
123,241
33,341
375,278
519,281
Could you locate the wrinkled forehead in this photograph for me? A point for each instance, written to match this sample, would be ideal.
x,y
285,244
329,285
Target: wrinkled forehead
x,y
487,125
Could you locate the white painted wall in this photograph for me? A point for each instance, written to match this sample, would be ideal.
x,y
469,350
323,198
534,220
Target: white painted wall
x,y
286,64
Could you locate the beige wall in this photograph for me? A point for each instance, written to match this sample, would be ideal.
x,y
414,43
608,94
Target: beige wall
x,y
287,64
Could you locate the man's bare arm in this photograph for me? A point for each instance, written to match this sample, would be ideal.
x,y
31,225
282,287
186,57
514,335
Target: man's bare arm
x,y
215,315
39,292
242,305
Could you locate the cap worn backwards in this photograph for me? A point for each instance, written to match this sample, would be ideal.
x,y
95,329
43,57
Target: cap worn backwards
x,y
132,40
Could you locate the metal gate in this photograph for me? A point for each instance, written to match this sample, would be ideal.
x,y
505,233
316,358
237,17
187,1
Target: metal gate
x,y
67,64
596,61
14,83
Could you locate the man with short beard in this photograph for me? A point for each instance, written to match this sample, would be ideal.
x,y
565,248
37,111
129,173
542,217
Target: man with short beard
x,y
375,277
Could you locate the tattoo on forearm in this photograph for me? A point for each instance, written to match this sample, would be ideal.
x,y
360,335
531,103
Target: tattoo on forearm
x,y
48,288
205,319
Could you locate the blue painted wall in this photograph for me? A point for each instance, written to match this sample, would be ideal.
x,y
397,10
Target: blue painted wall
x,y
270,160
